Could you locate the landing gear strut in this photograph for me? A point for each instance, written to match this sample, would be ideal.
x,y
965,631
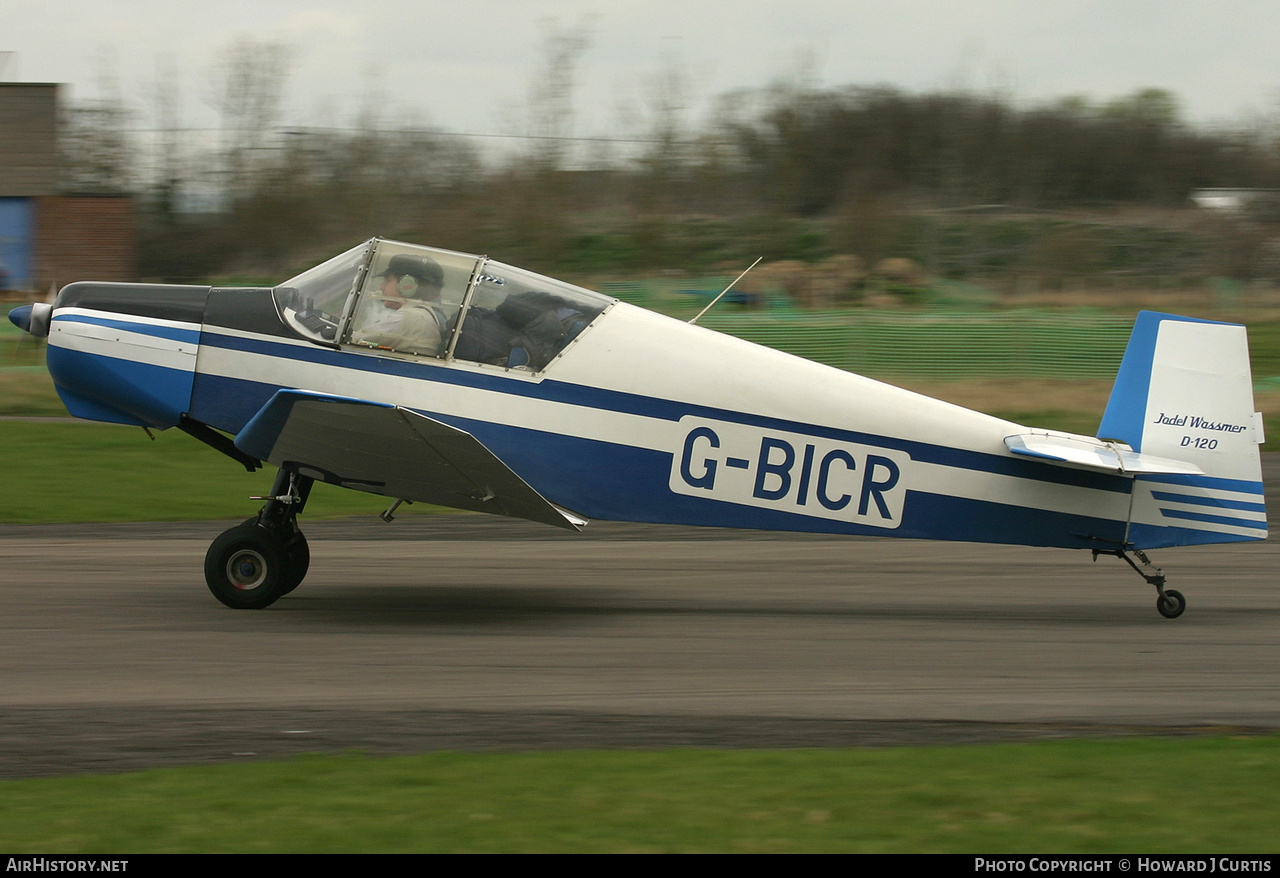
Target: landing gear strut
x,y
256,563
1169,602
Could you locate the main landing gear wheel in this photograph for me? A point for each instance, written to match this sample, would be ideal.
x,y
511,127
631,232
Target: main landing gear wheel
x,y
1171,603
247,568
297,555
258,562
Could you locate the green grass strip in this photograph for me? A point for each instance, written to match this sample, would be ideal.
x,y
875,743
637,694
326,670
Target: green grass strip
x,y
75,471
1162,795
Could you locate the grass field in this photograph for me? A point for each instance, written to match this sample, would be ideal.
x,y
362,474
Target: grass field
x,y
1072,403
98,472
75,471
66,470
1206,795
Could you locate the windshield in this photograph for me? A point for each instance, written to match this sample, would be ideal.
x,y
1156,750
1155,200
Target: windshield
x,y
313,302
420,301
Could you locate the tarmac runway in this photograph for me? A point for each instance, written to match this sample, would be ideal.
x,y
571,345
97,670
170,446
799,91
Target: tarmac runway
x,y
470,632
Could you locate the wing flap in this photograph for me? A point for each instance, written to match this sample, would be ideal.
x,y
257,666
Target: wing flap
x,y
386,449
1094,454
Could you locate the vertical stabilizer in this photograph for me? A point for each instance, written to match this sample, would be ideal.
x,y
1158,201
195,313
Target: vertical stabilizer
x,y
1185,391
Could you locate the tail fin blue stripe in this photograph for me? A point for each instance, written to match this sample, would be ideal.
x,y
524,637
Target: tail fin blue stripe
x,y
1209,501
1239,485
1126,409
1213,519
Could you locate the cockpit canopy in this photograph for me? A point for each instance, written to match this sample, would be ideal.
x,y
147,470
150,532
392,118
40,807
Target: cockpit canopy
x,y
422,301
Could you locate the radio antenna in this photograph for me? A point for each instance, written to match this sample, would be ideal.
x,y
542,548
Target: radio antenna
x,y
726,289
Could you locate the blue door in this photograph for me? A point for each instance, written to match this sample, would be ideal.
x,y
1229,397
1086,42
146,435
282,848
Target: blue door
x,y
16,242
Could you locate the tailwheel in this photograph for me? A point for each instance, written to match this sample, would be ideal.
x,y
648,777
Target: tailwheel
x,y
247,568
1171,603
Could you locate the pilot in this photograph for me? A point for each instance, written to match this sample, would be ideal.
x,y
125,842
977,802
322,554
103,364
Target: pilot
x,y
409,316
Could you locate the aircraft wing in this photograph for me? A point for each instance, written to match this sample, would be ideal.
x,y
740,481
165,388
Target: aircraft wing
x,y
386,449
1094,454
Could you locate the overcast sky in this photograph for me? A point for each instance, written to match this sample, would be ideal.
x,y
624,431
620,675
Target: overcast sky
x,y
468,65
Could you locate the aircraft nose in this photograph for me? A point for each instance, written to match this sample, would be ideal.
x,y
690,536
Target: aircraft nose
x,y
32,318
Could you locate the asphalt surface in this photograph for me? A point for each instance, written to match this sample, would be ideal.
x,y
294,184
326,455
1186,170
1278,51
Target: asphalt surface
x,y
477,633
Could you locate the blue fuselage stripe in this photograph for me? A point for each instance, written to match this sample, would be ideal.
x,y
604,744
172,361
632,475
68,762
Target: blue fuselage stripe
x,y
663,409
620,482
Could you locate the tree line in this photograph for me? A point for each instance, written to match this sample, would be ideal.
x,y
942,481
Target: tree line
x,y
791,172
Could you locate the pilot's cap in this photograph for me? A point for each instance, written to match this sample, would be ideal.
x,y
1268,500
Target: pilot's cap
x,y
424,268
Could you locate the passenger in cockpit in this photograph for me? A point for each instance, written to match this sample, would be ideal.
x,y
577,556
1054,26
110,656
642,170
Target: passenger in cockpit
x,y
410,316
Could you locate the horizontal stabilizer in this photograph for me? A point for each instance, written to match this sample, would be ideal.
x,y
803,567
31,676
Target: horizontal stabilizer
x,y
386,449
1094,454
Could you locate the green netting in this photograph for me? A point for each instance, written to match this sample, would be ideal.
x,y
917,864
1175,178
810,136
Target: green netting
x,y
940,342
933,345
1013,344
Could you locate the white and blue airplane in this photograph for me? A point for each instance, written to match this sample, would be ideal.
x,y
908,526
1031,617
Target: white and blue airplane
x,y
429,375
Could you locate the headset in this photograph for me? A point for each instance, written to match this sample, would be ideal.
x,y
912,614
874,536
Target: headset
x,y
407,285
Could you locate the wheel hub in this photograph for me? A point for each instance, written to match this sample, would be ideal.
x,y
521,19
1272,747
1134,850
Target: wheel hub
x,y
246,569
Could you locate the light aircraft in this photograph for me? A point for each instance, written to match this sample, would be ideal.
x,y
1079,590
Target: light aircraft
x,y
430,375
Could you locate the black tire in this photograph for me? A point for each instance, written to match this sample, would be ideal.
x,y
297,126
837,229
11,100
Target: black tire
x,y
247,568
1171,603
298,560
297,556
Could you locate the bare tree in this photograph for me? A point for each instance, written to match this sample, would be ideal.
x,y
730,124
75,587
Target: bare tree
x,y
551,96
94,142
248,94
170,169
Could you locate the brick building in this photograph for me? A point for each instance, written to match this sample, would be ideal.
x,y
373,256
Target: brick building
x,y
49,236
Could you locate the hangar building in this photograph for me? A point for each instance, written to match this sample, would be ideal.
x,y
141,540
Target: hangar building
x,y
50,236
